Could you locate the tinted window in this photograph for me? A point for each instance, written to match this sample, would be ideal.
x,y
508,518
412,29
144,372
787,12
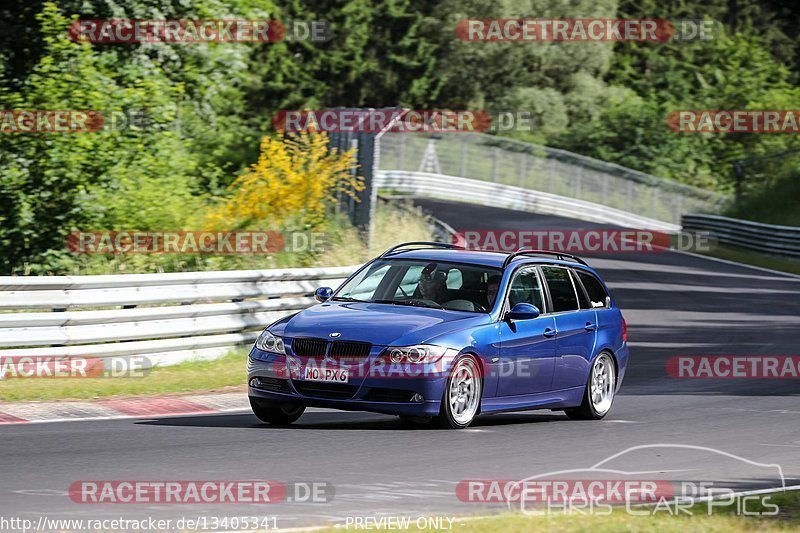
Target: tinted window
x,y
597,294
583,299
526,289
561,290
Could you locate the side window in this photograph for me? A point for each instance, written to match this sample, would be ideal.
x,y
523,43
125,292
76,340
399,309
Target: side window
x,y
561,290
526,288
583,299
597,294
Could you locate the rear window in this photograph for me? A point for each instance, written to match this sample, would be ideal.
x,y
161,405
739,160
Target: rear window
x,y
597,294
562,293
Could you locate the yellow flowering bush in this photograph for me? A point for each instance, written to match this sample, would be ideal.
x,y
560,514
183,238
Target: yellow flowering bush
x,y
295,178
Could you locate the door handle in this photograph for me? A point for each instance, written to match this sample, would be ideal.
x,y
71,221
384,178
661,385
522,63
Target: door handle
x,y
590,327
549,332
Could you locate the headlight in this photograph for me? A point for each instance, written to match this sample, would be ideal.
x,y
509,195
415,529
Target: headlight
x,y
420,353
270,343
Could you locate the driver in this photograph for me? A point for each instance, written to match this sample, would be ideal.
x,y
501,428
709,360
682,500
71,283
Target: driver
x,y
433,284
492,286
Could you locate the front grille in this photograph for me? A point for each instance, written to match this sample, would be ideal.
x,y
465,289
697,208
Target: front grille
x,y
309,347
350,350
346,351
389,395
334,391
271,384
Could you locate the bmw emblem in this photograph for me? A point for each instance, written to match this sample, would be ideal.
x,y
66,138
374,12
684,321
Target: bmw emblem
x,y
334,334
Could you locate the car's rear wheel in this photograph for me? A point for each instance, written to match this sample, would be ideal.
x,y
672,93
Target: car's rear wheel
x,y
599,393
462,395
278,414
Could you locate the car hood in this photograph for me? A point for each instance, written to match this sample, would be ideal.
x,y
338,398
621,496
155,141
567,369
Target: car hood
x,y
379,324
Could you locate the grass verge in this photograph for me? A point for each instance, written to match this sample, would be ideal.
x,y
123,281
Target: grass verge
x,y
190,376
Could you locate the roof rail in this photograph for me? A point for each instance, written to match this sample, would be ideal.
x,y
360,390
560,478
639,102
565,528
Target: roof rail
x,y
422,243
559,255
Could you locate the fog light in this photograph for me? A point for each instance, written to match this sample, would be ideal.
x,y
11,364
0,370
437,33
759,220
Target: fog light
x,y
417,398
255,382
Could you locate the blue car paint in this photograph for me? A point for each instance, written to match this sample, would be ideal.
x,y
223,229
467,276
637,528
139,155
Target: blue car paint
x,y
558,366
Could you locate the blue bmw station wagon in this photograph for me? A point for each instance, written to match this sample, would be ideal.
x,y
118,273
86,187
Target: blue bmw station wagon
x,y
434,332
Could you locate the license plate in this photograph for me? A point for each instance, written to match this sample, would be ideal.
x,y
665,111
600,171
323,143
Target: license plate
x,y
330,375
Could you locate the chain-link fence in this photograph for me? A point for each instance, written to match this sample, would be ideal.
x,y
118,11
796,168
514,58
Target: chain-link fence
x,y
505,161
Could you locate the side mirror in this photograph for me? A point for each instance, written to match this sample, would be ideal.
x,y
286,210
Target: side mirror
x,y
323,294
523,311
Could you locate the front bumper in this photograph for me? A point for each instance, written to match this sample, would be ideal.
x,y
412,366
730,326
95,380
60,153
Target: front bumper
x,y
382,394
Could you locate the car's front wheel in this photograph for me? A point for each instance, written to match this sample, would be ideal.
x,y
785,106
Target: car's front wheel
x,y
599,393
276,413
462,395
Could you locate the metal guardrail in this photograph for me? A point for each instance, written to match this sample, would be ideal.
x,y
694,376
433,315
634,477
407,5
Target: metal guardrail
x,y
766,238
544,170
168,317
511,197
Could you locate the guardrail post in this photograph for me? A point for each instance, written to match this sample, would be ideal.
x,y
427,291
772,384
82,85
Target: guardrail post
x,y
629,196
402,152
678,208
463,167
654,202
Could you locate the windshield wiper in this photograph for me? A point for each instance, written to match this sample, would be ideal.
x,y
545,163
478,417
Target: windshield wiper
x,y
347,299
411,303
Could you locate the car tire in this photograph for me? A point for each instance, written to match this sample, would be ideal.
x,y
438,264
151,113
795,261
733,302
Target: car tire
x,y
598,395
277,414
461,398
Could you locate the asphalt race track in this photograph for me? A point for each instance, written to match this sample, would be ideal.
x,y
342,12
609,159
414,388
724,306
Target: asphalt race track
x,y
674,303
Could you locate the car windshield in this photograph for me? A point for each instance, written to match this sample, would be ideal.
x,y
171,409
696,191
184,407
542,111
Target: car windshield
x,y
424,283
